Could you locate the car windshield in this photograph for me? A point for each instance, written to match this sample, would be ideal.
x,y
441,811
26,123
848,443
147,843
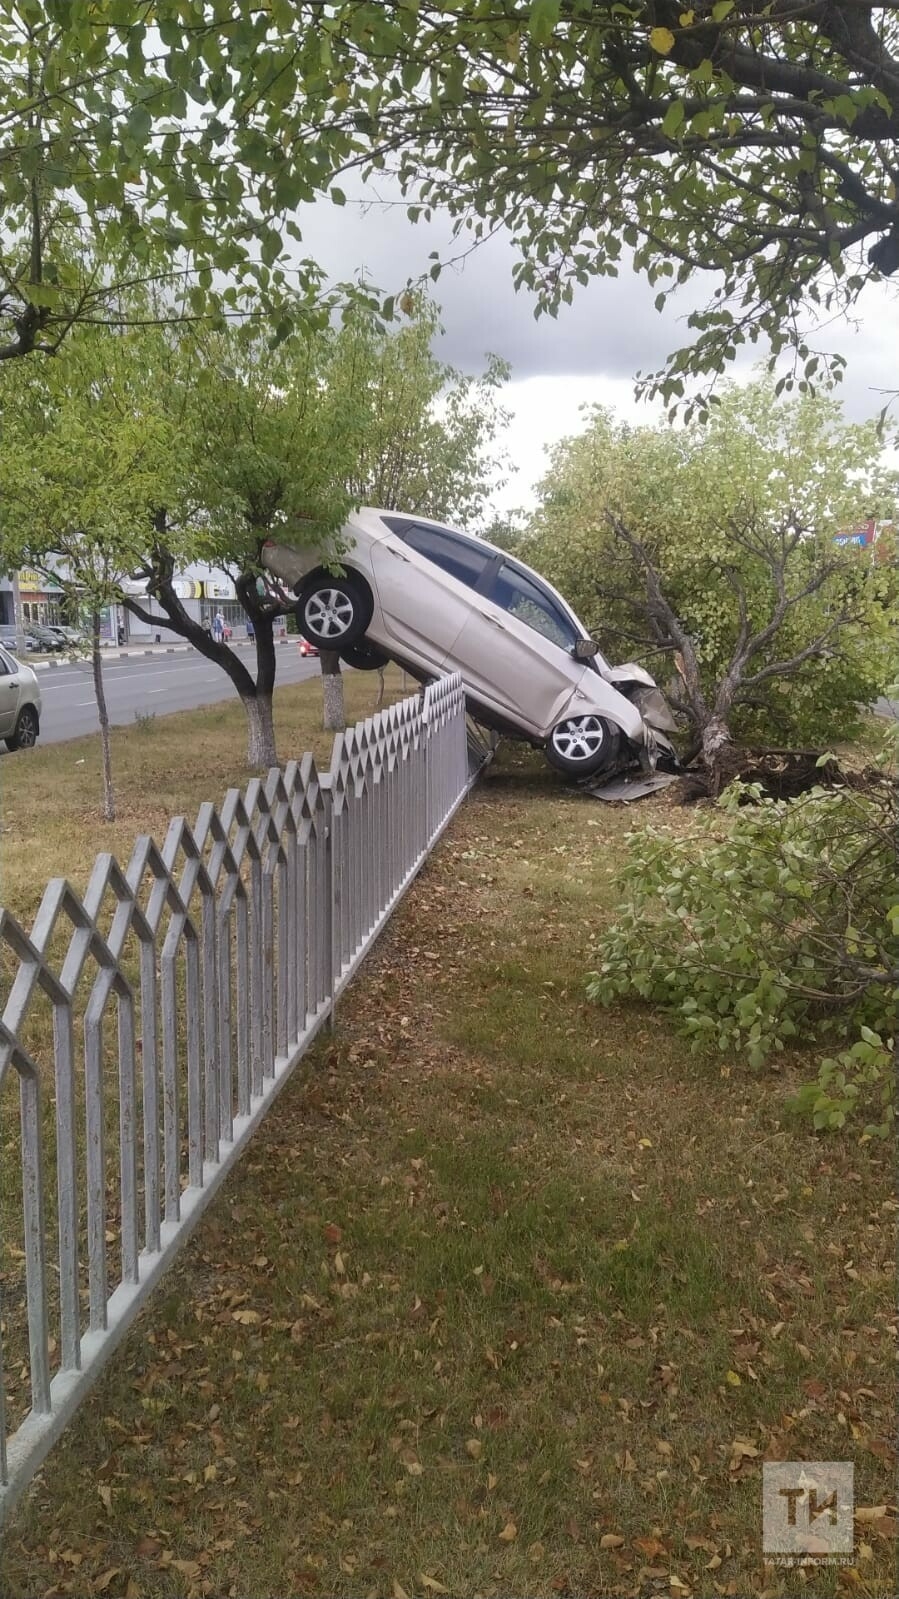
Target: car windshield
x,y
525,599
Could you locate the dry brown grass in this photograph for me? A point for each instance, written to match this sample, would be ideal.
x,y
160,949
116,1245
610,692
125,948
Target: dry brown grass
x,y
510,1296
50,822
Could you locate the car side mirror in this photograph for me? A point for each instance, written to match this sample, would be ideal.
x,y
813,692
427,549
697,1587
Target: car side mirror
x,y
585,649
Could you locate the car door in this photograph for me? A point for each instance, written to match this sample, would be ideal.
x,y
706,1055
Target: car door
x,y
515,650
9,693
424,577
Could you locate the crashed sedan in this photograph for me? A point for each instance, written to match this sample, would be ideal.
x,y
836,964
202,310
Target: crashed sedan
x,y
437,600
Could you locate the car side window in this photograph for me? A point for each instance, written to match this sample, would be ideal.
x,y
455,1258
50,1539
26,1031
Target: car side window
x,y
456,556
518,594
6,664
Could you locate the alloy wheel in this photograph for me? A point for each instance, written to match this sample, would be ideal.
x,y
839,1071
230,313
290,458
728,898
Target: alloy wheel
x,y
329,613
579,739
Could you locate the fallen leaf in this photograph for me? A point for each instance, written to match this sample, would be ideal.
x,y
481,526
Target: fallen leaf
x,y
650,1547
102,1583
246,1318
474,1448
733,1378
611,1540
398,1592
535,1553
870,1512
431,1583
188,1568
105,1492
509,1533
333,1233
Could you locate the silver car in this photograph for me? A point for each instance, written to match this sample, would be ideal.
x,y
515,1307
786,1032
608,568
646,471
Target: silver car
x,y
20,703
437,600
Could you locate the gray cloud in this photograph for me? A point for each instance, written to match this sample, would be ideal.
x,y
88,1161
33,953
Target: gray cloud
x,y
612,326
611,330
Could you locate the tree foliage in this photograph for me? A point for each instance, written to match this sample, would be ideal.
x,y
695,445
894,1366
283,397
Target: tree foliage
x,y
148,144
430,438
753,140
780,930
714,544
135,453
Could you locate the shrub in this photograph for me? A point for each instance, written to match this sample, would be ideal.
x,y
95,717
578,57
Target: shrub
x,y
773,923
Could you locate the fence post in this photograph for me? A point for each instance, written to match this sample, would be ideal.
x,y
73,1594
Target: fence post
x,y
332,896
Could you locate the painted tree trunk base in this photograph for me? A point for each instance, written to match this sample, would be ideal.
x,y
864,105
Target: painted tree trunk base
x,y
261,748
334,710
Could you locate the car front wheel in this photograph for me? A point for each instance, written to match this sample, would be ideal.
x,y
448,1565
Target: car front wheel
x,y
583,746
24,735
333,612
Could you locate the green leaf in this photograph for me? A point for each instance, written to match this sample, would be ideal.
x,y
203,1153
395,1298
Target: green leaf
x,y
673,119
542,19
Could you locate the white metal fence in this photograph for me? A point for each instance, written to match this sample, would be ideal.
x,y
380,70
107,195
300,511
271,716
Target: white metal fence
x,y
148,1026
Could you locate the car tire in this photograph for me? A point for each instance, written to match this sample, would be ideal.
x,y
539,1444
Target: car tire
x,y
583,746
364,657
26,730
333,612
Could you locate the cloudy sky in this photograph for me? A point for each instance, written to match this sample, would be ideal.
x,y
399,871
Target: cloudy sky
x,y
587,355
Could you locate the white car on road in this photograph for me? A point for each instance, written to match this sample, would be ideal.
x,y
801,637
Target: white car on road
x,y
20,703
437,600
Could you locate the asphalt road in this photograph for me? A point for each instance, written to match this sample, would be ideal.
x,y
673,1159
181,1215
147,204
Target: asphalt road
x,y
153,684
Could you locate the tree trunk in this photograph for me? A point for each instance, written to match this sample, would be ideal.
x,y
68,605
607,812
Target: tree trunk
x,y
261,751
332,692
381,688
103,715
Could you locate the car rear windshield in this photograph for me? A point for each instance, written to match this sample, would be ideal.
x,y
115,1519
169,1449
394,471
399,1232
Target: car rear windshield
x,y
518,594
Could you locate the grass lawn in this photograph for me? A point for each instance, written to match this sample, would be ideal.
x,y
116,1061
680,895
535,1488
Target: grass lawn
x,y
165,766
510,1296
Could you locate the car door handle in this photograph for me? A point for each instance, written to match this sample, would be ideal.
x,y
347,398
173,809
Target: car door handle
x,y
397,553
495,622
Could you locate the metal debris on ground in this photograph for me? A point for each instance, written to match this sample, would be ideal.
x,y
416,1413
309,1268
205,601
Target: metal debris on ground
x,y
625,789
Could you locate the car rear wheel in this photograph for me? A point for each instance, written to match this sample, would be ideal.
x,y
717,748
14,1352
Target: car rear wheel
x,y
333,612
582,746
24,735
364,657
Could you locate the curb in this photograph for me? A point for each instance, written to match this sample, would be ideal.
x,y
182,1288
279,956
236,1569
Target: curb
x,y
126,655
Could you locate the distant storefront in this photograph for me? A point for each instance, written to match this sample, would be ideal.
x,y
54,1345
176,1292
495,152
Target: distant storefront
x,y
41,600
220,598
